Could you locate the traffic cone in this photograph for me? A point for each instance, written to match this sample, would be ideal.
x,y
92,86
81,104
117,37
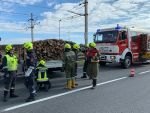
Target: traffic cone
x,y
132,72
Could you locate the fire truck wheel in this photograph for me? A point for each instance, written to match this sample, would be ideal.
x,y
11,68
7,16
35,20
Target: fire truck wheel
x,y
102,63
127,62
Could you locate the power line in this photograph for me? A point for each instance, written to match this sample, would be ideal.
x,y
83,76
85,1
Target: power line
x,y
79,8
86,19
32,25
71,17
77,5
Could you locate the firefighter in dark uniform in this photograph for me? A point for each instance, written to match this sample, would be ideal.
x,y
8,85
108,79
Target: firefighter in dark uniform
x,y
69,62
41,74
85,62
76,48
93,62
30,64
9,65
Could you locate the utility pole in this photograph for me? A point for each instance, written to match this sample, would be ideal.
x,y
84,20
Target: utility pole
x,y
86,22
59,28
31,26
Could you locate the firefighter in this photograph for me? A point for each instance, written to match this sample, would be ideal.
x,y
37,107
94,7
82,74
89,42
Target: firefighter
x,y
93,62
42,79
9,65
69,62
85,62
76,48
30,64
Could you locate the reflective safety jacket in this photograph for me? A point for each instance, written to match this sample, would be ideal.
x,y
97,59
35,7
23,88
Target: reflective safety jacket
x,y
41,73
11,62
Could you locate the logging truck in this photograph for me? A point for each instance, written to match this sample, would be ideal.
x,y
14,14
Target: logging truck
x,y
123,45
54,65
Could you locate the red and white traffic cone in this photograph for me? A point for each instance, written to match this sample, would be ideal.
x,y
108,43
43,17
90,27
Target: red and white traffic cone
x,y
132,72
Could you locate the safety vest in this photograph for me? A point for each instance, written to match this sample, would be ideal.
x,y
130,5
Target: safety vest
x,y
12,62
42,74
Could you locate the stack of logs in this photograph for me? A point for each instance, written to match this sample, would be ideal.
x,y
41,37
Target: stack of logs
x,y
50,49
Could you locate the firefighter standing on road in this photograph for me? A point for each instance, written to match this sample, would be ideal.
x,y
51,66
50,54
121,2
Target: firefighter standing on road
x,y
76,48
30,62
69,62
93,62
9,65
85,62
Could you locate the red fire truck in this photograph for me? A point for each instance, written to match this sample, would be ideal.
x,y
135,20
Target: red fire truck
x,y
123,45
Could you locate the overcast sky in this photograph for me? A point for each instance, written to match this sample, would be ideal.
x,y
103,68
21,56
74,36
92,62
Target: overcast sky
x,y
14,16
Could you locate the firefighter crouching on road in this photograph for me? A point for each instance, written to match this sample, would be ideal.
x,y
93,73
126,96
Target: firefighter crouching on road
x,y
93,62
42,79
69,62
9,65
30,64
85,62
76,48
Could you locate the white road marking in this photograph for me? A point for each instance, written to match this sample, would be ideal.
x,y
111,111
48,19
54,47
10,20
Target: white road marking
x,y
59,95
144,72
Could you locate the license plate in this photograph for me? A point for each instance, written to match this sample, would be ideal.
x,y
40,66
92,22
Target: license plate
x,y
103,57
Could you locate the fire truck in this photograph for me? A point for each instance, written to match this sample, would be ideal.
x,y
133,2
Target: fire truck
x,y
123,45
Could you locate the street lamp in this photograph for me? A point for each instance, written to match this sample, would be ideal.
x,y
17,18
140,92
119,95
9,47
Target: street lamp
x,y
59,28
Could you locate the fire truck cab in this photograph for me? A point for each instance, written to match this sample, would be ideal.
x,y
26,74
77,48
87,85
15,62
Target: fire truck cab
x,y
122,45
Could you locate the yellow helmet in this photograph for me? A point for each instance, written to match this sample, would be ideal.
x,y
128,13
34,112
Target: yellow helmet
x,y
87,45
8,48
67,46
28,45
92,45
42,62
76,46
25,45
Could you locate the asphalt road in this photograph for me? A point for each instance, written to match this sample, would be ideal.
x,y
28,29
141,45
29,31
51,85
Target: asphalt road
x,y
115,93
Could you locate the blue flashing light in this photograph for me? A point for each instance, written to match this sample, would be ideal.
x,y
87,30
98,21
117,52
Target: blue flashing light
x,y
98,30
118,27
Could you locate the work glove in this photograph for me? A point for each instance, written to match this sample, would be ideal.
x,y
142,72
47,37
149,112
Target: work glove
x,y
29,71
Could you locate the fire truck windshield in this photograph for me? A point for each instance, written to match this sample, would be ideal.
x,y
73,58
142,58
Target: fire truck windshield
x,y
106,36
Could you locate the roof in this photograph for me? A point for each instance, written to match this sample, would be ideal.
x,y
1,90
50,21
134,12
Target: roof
x,y
140,30
125,28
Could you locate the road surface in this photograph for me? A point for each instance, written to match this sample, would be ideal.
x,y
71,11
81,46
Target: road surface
x,y
115,93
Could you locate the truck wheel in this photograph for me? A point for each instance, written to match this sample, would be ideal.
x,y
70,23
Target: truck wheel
x,y
102,63
127,62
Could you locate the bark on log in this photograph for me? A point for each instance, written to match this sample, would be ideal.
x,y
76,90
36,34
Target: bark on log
x,y
51,49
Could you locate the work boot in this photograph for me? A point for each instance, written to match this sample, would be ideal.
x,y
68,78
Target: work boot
x,y
30,98
5,99
12,95
94,83
84,75
76,84
73,83
69,84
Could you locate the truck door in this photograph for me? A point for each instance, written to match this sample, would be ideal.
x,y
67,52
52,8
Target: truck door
x,y
134,45
122,42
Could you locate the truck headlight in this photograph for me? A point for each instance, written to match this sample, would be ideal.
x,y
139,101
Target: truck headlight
x,y
112,57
